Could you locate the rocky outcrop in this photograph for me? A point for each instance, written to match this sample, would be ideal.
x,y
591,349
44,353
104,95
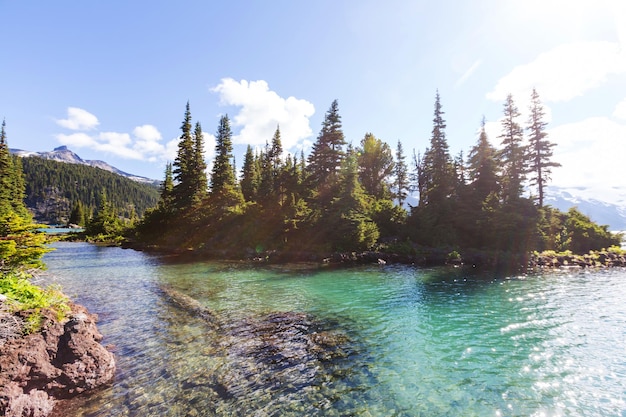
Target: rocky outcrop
x,y
62,360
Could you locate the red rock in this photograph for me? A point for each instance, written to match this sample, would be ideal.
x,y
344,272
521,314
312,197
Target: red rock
x,y
61,361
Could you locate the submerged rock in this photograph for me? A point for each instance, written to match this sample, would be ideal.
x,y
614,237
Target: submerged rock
x,y
271,359
61,361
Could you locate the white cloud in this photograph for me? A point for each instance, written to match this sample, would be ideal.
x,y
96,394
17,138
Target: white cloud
x,y
78,140
147,133
144,144
620,110
565,72
78,119
262,110
592,154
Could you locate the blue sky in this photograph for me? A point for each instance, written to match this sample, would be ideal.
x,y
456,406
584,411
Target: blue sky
x,y
111,79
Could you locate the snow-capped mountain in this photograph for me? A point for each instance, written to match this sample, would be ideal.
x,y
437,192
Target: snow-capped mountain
x,y
607,207
63,154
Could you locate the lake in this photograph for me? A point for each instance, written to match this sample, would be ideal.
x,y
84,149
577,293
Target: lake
x,y
418,341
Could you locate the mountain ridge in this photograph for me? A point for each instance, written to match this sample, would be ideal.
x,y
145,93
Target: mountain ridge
x,y
64,154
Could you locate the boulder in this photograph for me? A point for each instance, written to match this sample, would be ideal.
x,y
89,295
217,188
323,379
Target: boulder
x,y
62,360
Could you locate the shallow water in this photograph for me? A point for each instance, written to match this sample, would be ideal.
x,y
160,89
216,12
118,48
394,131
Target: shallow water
x,y
423,342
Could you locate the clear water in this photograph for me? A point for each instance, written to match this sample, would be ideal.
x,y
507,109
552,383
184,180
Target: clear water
x,y
424,342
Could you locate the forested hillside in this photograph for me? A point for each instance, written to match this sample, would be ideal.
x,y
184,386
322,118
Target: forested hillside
x,y
54,189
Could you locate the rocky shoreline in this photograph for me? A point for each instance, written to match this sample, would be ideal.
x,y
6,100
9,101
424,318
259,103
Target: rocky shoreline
x,y
424,257
62,360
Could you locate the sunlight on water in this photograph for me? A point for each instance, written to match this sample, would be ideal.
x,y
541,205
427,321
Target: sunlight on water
x,y
423,342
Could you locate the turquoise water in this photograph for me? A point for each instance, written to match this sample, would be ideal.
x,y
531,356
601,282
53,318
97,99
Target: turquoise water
x,y
423,342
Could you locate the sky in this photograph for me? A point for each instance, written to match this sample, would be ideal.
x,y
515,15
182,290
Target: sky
x,y
110,80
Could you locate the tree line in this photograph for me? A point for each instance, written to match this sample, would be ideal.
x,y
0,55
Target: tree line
x,y
21,248
60,193
350,198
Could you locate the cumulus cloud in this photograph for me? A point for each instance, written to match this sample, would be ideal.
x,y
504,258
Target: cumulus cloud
x,y
565,72
262,110
144,144
78,119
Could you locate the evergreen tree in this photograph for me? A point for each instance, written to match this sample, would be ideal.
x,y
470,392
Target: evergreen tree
x,y
437,163
349,223
512,156
326,157
375,166
432,222
105,221
166,201
7,173
184,175
401,174
539,148
20,246
223,183
199,180
249,176
483,167
77,216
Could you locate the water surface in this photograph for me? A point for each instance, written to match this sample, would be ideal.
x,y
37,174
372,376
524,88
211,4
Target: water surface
x,y
423,342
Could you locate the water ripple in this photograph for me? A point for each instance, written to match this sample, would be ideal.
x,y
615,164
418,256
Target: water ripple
x,y
425,342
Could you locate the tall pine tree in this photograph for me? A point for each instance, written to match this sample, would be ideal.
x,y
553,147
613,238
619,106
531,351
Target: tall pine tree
x,y
401,173
483,167
184,176
249,176
512,155
539,148
223,182
326,157
437,163
199,186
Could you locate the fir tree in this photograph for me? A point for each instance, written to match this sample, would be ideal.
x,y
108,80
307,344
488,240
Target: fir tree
x,y
437,163
166,190
349,223
401,173
512,156
326,156
199,180
184,175
375,166
223,182
539,148
77,215
6,174
483,167
249,176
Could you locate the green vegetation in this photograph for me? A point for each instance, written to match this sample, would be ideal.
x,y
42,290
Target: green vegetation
x,y
341,198
21,249
61,193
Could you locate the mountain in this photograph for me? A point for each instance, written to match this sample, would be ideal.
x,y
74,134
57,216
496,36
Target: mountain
x,y
605,207
63,154
610,210
53,189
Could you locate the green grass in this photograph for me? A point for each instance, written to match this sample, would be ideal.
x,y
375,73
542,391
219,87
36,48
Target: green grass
x,y
23,295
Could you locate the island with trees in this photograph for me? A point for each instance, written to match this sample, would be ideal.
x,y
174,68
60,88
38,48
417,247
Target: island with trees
x,y
349,202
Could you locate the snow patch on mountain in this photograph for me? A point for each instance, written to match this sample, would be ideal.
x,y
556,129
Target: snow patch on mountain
x,y
607,206
63,154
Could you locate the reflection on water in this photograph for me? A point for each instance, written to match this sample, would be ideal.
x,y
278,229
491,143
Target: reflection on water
x,y
420,342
